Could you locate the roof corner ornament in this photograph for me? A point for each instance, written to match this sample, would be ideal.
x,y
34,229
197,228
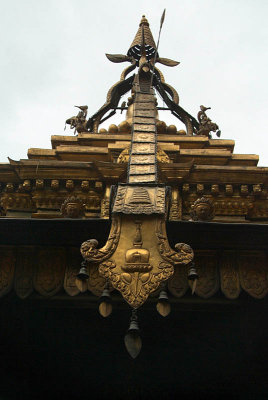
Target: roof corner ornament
x,y
78,122
205,124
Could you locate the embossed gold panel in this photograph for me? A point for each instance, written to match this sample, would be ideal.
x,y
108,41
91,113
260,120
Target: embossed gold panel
x,y
136,268
140,200
143,137
142,169
142,159
142,258
142,178
143,128
146,148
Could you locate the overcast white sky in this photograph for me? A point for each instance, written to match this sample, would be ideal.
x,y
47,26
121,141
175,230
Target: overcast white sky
x,y
53,57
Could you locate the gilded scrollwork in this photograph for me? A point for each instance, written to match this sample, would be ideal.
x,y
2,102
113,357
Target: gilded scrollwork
x,y
184,253
136,287
96,282
89,249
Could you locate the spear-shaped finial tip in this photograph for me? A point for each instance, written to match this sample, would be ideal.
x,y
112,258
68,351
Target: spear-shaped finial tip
x,y
162,18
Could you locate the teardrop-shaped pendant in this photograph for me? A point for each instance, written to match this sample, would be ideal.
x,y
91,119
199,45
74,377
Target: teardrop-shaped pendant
x,y
163,306
132,338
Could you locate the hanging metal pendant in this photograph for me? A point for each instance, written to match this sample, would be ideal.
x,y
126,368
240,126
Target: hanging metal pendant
x,y
132,338
192,277
163,306
105,306
82,277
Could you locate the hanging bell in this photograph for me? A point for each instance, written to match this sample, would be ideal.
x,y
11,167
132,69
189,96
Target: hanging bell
x,y
82,277
83,273
132,338
163,306
192,277
105,306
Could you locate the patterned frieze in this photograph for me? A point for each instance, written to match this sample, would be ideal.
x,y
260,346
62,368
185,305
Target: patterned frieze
x,y
47,270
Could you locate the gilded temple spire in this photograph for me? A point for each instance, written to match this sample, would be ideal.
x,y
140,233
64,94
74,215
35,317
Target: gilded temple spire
x,y
144,31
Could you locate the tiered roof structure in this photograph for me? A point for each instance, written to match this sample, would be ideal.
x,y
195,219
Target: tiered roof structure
x,y
207,181
136,188
86,164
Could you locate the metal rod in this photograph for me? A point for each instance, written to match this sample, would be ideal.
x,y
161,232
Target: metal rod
x,y
161,24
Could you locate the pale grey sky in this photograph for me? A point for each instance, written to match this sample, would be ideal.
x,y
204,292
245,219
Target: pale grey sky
x,y
53,57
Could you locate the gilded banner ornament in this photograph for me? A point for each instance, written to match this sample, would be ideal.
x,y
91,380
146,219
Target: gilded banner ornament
x,y
7,267
230,284
140,260
253,272
24,271
49,275
72,269
207,269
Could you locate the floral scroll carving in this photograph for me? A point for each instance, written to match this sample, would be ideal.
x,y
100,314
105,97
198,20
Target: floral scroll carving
x,y
230,284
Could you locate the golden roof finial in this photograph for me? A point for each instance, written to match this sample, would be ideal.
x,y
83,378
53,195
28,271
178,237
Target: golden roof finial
x,y
149,42
144,21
